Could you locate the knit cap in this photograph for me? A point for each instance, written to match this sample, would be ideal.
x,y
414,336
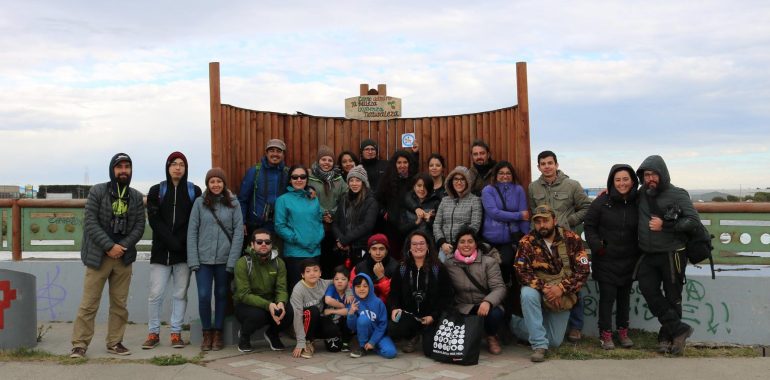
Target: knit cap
x,y
324,151
378,239
216,172
359,172
369,142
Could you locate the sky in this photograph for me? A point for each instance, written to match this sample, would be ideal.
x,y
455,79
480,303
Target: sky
x,y
609,81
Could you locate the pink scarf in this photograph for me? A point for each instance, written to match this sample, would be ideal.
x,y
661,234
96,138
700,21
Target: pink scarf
x,y
466,259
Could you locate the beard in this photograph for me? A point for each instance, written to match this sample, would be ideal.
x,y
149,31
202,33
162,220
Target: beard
x,y
546,232
123,179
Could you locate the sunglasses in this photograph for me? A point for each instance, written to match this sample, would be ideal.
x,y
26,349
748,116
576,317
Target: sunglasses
x,y
300,176
261,242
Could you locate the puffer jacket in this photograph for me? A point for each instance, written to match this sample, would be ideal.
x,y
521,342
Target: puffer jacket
x,y
611,232
408,216
674,234
457,210
486,271
298,223
565,196
206,242
499,221
353,225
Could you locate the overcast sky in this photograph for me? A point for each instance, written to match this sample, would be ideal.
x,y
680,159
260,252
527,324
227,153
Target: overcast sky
x,y
609,81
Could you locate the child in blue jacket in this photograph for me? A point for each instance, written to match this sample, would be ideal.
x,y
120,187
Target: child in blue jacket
x,y
369,319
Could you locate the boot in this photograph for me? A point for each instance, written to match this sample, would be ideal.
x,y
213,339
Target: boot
x,y
218,341
493,345
625,341
206,344
606,338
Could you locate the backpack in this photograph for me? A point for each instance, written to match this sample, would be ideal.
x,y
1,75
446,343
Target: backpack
x,y
164,189
699,247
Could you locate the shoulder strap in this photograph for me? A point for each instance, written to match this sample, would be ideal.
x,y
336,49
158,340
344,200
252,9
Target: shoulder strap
x,y
249,264
473,280
222,226
164,189
191,191
162,192
500,193
257,169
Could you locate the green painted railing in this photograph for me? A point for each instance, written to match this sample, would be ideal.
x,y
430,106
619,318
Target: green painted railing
x,y
742,231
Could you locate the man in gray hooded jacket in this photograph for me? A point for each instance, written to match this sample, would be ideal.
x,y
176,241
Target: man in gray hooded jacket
x,y
666,215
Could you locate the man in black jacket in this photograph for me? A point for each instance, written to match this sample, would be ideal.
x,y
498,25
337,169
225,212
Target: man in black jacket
x,y
113,223
666,215
168,209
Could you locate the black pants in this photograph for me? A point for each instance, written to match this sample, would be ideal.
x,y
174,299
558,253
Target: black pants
x,y
407,328
318,326
253,318
660,279
293,271
507,253
330,256
609,294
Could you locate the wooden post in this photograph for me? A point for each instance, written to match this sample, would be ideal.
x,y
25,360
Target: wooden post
x,y
216,118
523,105
363,89
16,231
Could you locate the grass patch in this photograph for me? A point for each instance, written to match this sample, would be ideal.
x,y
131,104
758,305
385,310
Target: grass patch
x,y
174,359
26,354
645,346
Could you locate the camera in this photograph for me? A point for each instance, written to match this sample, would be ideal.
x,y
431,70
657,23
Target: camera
x,y
672,212
419,296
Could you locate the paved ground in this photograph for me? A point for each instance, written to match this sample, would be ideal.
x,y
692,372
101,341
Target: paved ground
x,y
266,364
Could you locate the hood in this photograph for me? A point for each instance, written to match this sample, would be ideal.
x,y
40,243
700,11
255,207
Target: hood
x,y
371,286
116,159
170,159
469,178
255,257
611,180
656,164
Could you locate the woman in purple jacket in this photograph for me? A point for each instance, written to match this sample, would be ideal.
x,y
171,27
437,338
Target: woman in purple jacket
x,y
506,214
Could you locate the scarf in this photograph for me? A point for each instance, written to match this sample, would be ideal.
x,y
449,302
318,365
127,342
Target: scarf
x,y
466,259
325,177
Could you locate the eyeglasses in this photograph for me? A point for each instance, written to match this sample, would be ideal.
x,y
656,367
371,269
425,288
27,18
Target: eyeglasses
x,y
458,179
300,176
419,243
504,173
179,164
261,242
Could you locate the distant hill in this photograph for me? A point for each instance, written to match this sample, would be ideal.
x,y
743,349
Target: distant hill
x,y
708,197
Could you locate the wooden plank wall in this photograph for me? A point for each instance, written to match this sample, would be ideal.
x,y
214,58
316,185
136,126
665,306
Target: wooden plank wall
x,y
242,135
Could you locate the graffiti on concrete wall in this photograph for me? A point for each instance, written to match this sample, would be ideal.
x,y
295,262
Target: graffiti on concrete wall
x,y
697,308
8,295
51,294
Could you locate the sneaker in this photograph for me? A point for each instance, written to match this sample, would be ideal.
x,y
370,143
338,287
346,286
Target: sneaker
x,y
664,347
574,335
625,341
345,347
310,346
152,340
358,352
679,342
411,344
244,342
176,340
605,337
538,355
493,345
274,341
307,354
78,352
119,349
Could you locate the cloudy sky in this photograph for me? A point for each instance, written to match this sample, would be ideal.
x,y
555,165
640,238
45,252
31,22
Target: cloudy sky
x,y
609,81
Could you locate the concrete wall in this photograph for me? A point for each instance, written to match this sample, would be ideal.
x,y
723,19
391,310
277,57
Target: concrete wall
x,y
734,308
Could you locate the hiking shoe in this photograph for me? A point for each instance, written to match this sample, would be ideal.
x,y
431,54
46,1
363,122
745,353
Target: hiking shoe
x,y
244,343
411,344
176,340
78,352
152,340
274,341
625,341
358,352
218,341
493,345
119,349
664,347
574,335
605,337
538,355
679,342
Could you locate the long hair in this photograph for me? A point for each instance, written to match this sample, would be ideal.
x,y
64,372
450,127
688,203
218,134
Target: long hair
x,y
427,182
226,198
431,258
349,153
388,186
500,165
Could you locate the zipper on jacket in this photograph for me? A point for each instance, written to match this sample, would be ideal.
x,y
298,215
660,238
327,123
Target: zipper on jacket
x,y
173,222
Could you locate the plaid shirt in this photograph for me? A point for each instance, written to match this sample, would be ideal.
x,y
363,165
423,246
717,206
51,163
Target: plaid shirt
x,y
533,256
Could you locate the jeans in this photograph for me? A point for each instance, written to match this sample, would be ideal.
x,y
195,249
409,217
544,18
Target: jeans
x,y
608,295
541,327
492,321
576,314
205,275
159,275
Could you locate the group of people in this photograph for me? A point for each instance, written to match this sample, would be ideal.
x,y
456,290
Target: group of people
x,y
359,253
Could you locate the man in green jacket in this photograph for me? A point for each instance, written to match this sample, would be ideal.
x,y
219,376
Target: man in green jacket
x,y
569,201
260,292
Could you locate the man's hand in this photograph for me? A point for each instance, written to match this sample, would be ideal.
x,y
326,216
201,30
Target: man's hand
x,y
484,309
327,217
277,309
553,294
117,251
525,215
656,224
379,270
427,320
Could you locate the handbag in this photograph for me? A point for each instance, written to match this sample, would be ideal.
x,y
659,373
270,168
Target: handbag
x,y
568,300
456,338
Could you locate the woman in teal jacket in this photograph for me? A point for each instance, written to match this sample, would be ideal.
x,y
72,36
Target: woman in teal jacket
x,y
298,223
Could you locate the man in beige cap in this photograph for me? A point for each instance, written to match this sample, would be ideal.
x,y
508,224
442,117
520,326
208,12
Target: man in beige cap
x,y
261,185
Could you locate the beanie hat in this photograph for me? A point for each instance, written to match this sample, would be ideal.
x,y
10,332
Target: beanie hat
x,y
369,142
173,156
325,151
359,172
215,172
378,239
276,143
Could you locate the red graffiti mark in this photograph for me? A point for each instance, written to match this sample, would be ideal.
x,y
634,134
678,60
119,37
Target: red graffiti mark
x,y
5,303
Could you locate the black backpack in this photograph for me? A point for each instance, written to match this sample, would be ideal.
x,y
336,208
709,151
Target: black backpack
x,y
699,247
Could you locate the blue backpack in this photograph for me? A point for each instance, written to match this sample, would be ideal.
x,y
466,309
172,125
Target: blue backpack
x,y
164,189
